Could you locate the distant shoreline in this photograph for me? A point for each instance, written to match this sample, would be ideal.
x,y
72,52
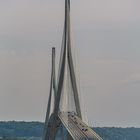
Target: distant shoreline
x,y
22,121
34,129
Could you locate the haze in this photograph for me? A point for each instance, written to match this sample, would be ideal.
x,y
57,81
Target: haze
x,y
106,44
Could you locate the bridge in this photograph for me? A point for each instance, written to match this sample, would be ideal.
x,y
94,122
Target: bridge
x,y
63,117
76,127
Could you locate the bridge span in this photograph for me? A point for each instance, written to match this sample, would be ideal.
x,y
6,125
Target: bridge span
x,y
76,127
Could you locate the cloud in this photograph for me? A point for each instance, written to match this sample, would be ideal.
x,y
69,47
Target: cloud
x,y
106,34
133,79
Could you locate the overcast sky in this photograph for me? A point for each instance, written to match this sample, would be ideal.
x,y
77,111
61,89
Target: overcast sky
x,y
106,43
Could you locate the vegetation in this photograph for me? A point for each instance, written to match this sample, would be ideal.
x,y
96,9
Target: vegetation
x,y
20,129
112,133
13,130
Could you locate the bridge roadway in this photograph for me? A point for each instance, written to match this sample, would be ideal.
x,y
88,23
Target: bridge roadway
x,y
77,129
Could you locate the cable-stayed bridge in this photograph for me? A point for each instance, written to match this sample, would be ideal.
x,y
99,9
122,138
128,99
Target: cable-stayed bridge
x,y
64,118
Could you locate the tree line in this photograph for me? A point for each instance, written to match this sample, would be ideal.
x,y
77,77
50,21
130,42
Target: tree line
x,y
35,129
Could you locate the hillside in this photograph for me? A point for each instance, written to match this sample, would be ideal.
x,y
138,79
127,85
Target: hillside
x,y
34,129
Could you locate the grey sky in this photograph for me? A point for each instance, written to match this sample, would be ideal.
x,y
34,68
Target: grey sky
x,y
105,38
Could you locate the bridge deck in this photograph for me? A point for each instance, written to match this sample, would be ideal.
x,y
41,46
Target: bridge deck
x,y
77,129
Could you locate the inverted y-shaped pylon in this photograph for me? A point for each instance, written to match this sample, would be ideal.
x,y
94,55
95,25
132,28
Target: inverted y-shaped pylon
x,y
66,111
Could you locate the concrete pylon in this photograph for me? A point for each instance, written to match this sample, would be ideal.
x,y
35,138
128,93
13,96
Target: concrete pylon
x,y
52,121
